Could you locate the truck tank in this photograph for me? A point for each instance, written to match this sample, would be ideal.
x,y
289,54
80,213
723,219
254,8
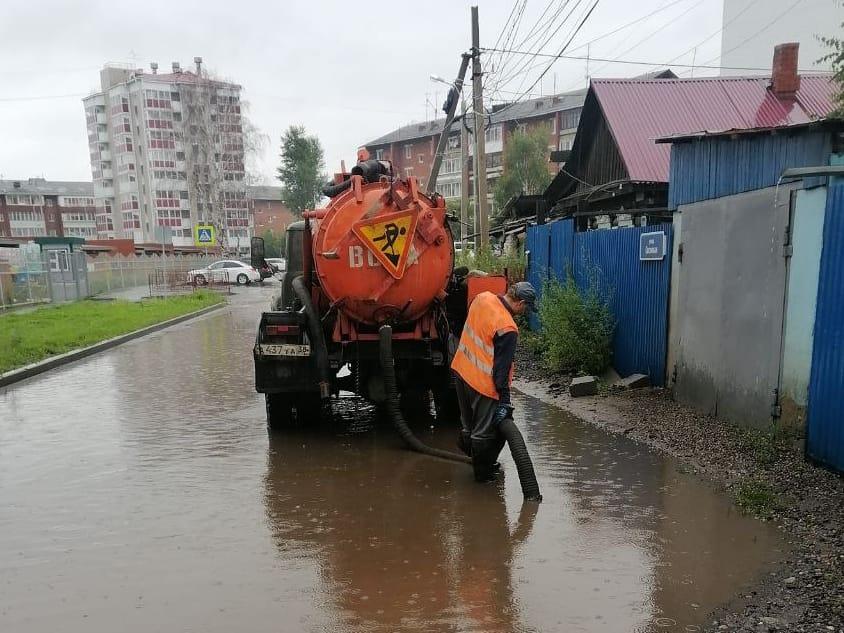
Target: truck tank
x,y
382,250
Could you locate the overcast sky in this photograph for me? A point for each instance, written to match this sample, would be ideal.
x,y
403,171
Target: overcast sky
x,y
347,71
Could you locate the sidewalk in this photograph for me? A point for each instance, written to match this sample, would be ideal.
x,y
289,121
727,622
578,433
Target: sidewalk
x,y
135,293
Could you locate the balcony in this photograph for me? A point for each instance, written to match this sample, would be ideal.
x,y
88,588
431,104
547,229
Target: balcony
x,y
102,119
107,173
105,154
102,137
104,192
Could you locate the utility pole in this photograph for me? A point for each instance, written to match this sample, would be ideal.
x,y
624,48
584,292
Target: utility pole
x,y
480,148
464,177
449,117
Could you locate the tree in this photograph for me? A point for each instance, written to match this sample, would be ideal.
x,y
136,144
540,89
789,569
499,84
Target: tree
x,y
525,167
836,57
273,244
220,148
301,170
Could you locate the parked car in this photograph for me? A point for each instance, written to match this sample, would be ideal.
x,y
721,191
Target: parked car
x,y
224,271
279,264
266,270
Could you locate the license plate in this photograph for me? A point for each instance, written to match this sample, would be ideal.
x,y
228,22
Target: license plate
x,y
285,350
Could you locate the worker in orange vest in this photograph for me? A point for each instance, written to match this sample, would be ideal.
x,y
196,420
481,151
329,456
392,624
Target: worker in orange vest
x,y
483,364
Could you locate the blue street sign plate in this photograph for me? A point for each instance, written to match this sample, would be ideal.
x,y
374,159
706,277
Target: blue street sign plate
x,y
652,246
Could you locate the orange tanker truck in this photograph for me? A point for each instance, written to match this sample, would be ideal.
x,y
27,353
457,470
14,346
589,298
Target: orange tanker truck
x,y
380,253
370,286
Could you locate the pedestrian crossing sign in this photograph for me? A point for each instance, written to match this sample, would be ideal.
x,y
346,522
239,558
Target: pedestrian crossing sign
x,y
389,238
204,235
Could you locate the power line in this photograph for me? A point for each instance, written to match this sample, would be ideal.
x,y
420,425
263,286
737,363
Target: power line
x,y
543,35
42,97
756,34
637,62
709,37
562,50
598,38
520,70
658,31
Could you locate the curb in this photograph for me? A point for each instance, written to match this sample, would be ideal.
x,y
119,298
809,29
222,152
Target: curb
x,y
16,375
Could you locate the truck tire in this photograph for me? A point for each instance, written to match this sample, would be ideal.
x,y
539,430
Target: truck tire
x,y
279,411
309,409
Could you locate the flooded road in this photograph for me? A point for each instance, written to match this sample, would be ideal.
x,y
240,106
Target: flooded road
x,y
139,491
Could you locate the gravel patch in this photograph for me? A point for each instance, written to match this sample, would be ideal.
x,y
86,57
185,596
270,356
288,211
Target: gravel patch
x,y
766,476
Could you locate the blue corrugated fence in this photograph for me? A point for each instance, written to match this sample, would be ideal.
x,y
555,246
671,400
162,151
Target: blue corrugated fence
x,y
825,427
637,291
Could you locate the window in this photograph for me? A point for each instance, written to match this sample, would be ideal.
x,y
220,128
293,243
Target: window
x,y
408,172
566,143
569,118
21,199
379,154
408,151
450,189
216,265
493,134
58,261
421,159
521,128
451,165
554,124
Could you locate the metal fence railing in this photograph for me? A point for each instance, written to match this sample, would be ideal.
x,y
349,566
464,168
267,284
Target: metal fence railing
x,y
178,280
29,276
108,274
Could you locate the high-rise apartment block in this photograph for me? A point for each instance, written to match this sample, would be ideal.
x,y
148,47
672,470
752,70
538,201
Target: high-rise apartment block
x,y
167,150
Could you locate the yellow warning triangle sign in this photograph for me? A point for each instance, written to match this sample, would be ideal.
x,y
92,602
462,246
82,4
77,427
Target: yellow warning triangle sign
x,y
389,238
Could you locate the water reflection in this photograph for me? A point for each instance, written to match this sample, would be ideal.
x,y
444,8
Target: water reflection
x,y
402,544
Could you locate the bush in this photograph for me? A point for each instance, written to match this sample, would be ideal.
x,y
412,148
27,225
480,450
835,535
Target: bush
x,y
484,259
577,329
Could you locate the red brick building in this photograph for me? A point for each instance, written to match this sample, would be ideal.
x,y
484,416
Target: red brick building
x,y
268,210
36,207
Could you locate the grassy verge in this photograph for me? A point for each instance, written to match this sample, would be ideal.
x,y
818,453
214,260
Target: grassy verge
x,y
32,336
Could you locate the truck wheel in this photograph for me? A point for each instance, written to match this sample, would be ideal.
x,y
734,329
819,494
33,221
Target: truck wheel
x,y
309,409
279,411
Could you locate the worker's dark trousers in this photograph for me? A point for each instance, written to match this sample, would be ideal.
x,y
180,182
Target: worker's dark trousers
x,y
479,436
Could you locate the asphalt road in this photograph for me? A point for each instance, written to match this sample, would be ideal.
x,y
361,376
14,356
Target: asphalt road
x,y
140,491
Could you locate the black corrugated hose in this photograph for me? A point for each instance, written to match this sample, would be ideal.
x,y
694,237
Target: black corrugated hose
x,y
392,403
508,428
524,466
315,333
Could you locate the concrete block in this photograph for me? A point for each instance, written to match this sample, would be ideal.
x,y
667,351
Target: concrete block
x,y
583,386
635,381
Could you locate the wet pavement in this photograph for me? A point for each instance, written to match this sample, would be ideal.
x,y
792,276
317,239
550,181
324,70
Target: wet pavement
x,y
139,491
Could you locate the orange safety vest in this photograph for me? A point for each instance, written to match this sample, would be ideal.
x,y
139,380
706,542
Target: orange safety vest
x,y
473,360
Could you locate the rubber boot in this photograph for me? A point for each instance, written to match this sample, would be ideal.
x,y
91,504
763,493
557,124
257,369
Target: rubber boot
x,y
464,443
484,454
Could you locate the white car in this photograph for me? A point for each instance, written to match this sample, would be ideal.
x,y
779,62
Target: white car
x,y
225,271
279,264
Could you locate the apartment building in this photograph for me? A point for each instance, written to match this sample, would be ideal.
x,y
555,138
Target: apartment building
x,y
167,150
411,148
36,207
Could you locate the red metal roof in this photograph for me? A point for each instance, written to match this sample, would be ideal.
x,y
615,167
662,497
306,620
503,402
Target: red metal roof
x,y
640,111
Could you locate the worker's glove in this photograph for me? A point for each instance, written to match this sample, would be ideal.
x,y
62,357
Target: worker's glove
x,y
502,412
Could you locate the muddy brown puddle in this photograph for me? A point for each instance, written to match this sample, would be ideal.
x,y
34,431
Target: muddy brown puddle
x,y
139,491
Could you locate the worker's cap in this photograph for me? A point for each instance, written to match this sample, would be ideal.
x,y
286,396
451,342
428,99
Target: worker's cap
x,y
524,291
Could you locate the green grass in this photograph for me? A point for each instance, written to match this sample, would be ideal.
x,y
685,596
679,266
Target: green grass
x,y
757,498
28,337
